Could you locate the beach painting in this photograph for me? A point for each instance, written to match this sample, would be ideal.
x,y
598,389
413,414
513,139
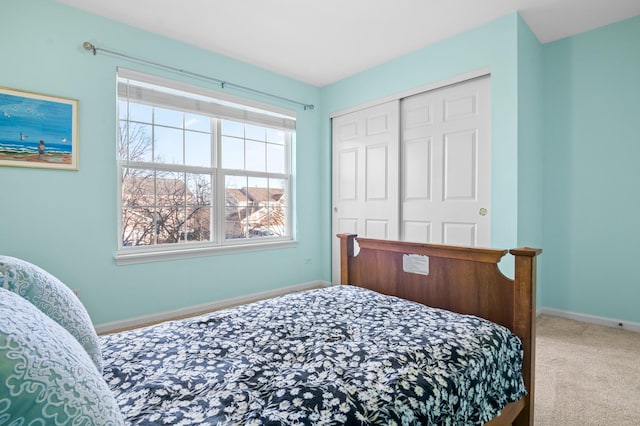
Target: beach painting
x,y
38,130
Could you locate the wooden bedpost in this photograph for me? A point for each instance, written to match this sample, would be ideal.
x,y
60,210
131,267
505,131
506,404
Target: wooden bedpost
x,y
346,252
525,322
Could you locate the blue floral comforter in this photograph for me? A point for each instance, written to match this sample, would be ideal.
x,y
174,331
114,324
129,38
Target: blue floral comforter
x,y
340,355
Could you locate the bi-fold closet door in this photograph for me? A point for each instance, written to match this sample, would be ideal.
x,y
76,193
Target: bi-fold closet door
x,y
415,169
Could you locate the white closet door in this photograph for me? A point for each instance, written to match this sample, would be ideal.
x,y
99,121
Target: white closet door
x,y
446,165
365,189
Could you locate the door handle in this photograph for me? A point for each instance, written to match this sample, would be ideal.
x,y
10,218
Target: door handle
x,y
483,212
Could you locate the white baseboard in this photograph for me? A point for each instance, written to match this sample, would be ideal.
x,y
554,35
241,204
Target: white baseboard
x,y
607,322
205,307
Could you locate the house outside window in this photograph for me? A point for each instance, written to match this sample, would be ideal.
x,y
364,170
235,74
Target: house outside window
x,y
199,173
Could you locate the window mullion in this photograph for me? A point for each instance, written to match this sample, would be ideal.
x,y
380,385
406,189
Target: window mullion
x,y
219,196
289,201
213,203
168,167
184,208
155,207
185,203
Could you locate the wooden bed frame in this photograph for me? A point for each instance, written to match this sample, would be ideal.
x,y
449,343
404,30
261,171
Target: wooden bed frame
x,y
461,279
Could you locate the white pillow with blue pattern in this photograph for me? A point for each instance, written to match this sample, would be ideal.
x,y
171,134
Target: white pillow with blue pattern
x,y
46,377
53,298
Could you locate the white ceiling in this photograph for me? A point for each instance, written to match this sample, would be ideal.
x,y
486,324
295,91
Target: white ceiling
x,y
320,42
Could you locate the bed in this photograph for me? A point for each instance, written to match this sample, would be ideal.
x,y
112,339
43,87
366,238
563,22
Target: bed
x,y
463,280
365,352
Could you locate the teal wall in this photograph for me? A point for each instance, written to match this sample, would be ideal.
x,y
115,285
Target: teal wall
x,y
565,153
530,146
65,221
591,157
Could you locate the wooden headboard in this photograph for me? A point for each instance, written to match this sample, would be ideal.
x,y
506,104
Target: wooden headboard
x,y
460,279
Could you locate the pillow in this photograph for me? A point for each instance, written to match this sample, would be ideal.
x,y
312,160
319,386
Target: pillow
x,y
46,377
53,298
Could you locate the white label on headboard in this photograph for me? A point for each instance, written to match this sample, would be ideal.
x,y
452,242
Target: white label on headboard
x,y
415,264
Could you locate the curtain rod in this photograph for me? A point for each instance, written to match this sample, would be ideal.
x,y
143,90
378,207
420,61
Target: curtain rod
x,y
89,46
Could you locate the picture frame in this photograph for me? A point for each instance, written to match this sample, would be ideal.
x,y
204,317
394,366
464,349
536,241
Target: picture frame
x,y
38,130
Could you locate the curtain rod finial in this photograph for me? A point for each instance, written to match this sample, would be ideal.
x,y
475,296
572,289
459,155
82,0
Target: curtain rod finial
x,y
89,46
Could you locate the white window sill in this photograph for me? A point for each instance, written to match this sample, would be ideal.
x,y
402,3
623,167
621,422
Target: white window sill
x,y
135,255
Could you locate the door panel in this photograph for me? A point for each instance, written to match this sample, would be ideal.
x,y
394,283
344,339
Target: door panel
x,y
459,234
460,171
446,165
377,177
417,154
460,106
377,228
417,232
366,176
347,175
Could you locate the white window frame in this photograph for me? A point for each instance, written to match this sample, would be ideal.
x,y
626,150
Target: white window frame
x,y
219,106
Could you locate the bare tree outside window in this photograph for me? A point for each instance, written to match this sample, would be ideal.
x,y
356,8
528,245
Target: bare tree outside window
x,y
160,207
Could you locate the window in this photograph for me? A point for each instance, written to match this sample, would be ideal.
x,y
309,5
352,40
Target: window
x,y
197,171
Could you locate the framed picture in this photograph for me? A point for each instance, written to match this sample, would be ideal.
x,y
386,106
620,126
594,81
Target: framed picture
x,y
38,130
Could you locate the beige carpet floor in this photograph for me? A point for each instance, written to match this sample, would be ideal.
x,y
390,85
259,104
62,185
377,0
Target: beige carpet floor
x,y
586,374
